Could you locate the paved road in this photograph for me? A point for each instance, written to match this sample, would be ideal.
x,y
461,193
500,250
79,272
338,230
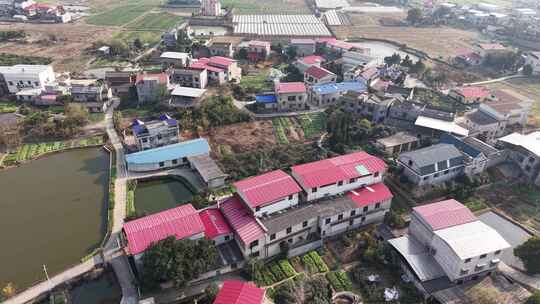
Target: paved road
x,y
494,80
119,261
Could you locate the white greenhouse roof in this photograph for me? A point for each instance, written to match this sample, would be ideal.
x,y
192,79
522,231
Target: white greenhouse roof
x,y
531,141
442,125
472,239
189,92
332,18
280,25
174,55
327,4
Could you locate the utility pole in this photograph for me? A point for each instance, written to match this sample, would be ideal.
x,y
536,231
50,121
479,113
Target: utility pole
x,y
51,298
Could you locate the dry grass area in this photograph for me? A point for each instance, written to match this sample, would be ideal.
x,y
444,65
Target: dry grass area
x,y
529,87
442,42
243,137
67,52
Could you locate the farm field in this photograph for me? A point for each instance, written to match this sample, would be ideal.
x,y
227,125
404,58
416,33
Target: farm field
x,y
155,22
146,37
442,42
267,7
529,87
256,82
118,16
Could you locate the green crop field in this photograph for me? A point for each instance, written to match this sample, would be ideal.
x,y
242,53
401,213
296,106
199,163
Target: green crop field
x,y
146,37
155,21
119,16
267,7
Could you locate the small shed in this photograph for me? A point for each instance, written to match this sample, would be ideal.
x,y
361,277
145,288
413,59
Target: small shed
x,y
397,143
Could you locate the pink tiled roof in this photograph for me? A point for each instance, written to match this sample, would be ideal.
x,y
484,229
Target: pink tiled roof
x,y
312,59
258,43
332,170
370,195
241,220
266,188
291,87
237,292
369,72
473,92
162,78
317,72
214,223
445,214
203,64
221,61
181,222
491,46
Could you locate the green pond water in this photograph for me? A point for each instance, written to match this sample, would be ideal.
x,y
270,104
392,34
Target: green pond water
x,y
160,194
52,212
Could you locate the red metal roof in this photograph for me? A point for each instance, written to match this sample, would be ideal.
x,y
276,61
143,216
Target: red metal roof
x,y
312,59
222,62
473,92
370,195
267,188
241,220
291,87
332,170
237,292
181,222
445,214
317,72
214,223
203,64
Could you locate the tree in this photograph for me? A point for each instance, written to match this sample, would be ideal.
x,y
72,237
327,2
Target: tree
x,y
293,74
317,290
505,60
285,293
529,252
8,291
137,43
418,68
242,54
407,62
291,52
534,298
391,60
210,292
527,70
414,15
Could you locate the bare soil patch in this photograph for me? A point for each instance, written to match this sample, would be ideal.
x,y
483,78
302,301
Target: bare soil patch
x,y
243,137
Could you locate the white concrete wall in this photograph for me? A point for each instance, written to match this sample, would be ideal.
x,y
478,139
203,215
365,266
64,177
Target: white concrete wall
x,y
279,205
29,80
220,239
534,62
298,104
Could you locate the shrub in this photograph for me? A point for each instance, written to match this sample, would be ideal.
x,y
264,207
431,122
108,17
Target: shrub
x,y
309,264
287,268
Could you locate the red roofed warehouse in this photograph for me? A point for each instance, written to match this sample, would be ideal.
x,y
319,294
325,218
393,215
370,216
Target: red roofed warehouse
x,y
237,292
291,96
339,174
183,222
266,193
317,75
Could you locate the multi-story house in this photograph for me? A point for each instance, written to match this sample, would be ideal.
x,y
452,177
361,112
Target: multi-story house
x,y
525,152
26,76
533,59
214,74
120,82
150,86
219,68
303,63
303,47
91,93
186,97
189,77
316,75
432,165
365,105
155,133
175,59
507,105
291,96
483,125
238,292
359,73
323,95
446,246
221,49
258,50
484,49
398,143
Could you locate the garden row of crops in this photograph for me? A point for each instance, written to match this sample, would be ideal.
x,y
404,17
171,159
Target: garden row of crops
x,y
339,280
312,124
314,263
279,127
31,151
274,272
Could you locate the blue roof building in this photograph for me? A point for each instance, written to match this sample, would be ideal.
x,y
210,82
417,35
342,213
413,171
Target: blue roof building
x,y
166,156
329,93
264,99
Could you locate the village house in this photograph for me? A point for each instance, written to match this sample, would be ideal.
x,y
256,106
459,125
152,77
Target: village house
x,y
210,7
353,59
215,74
470,94
398,143
155,133
484,126
447,245
189,77
525,152
303,47
291,96
26,76
120,82
324,95
230,66
432,165
238,292
340,47
508,105
316,75
221,49
435,123
185,97
210,173
91,93
216,227
367,105
533,59
175,59
362,74
303,63
484,49
258,50
150,86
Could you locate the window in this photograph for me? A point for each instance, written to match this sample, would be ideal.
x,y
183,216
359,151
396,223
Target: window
x,y
483,256
351,222
290,240
272,236
10,83
352,180
376,174
227,238
291,98
289,230
327,221
340,183
36,83
340,217
366,208
290,197
304,224
436,175
377,205
161,164
467,260
464,271
446,172
145,140
254,254
313,190
257,208
175,161
363,219
353,212
254,243
497,252
159,136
